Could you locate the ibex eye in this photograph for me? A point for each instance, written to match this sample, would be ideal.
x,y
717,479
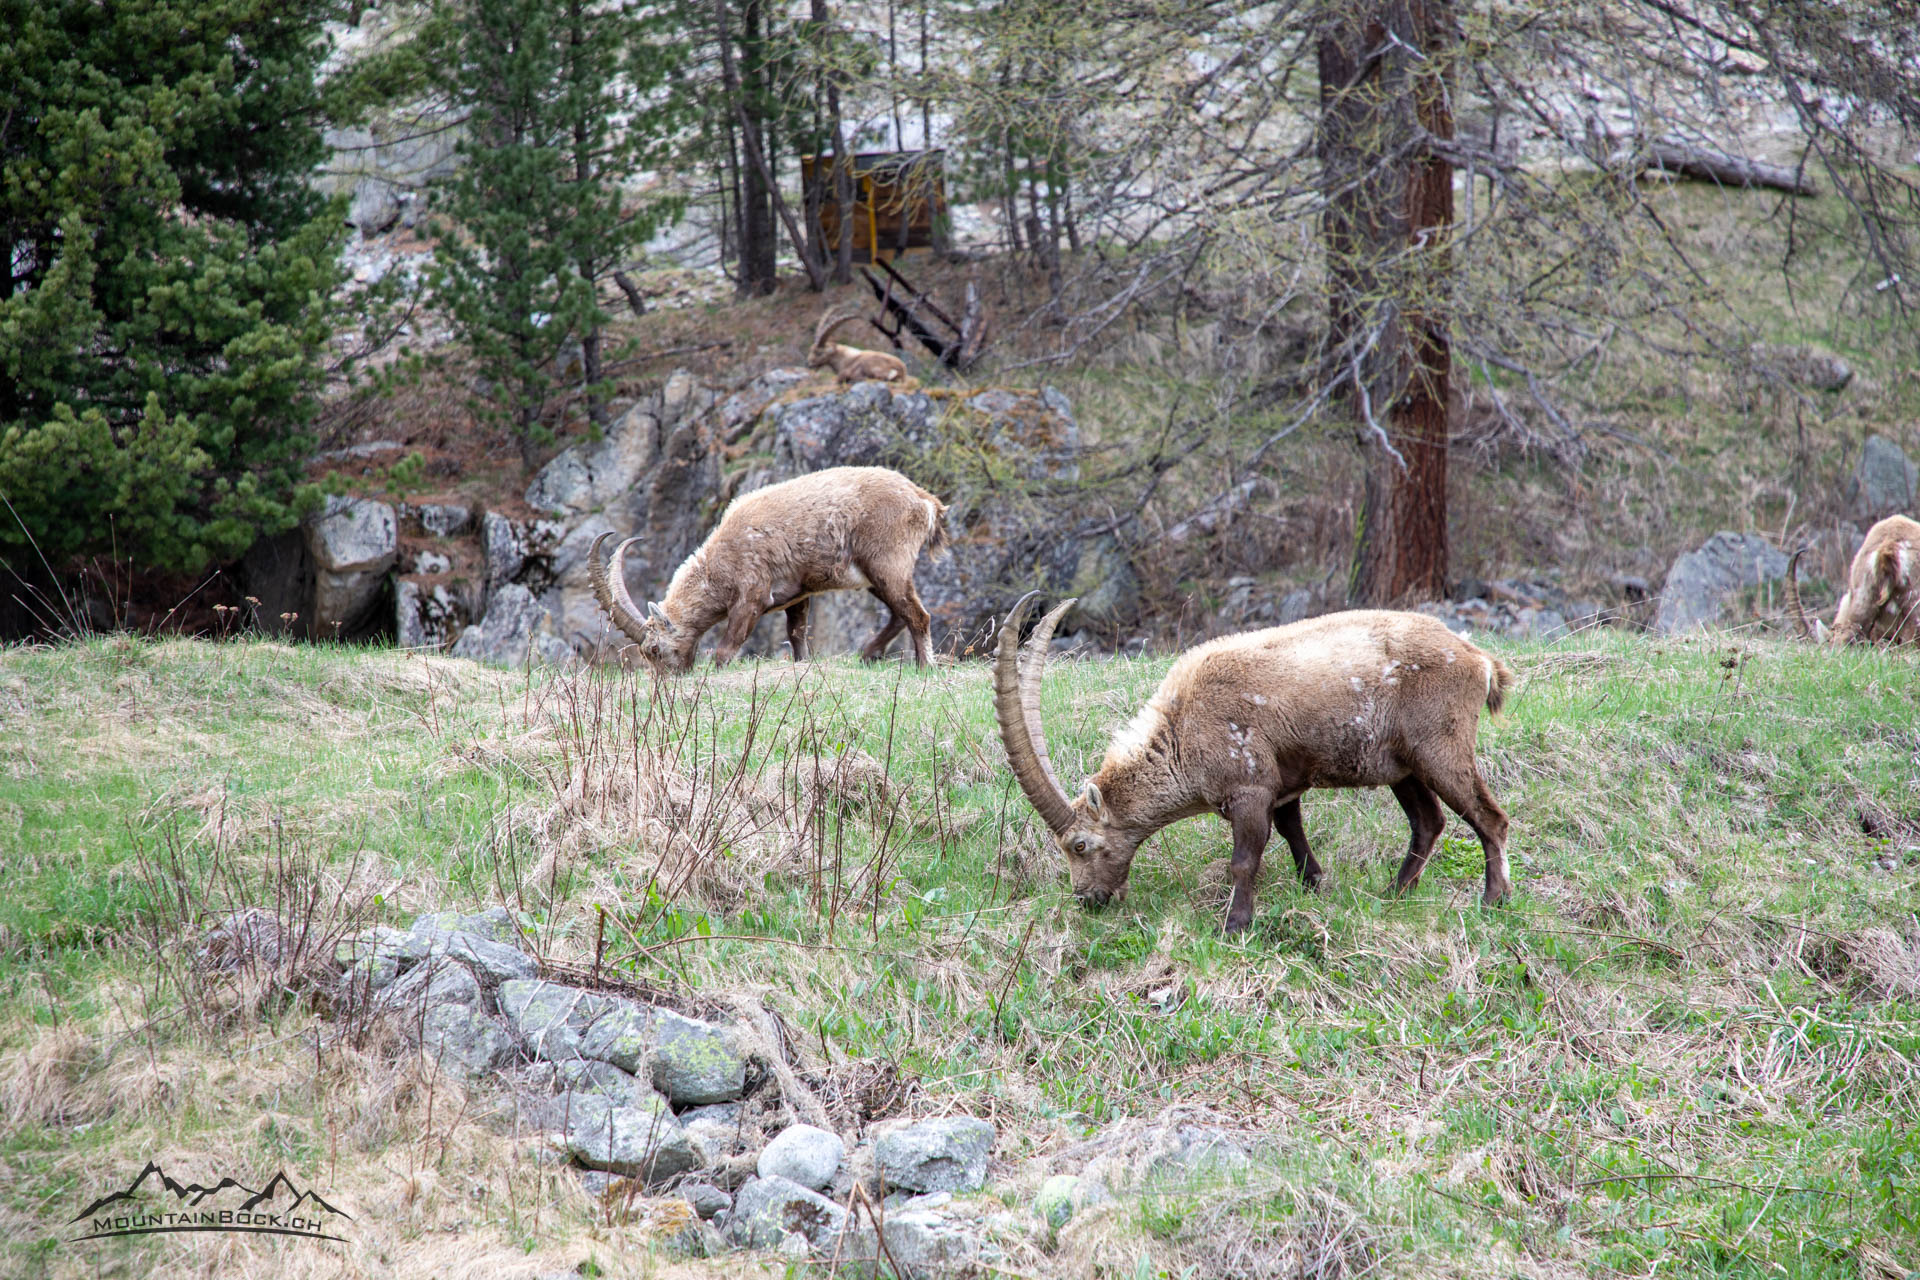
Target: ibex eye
x,y
1080,846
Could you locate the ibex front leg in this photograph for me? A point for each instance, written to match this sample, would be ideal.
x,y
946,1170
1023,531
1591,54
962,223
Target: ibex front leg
x,y
1251,813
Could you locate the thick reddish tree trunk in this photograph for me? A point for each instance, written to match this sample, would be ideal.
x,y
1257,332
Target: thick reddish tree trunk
x,y
1384,71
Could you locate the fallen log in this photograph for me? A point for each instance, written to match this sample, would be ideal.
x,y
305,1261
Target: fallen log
x,y
1709,164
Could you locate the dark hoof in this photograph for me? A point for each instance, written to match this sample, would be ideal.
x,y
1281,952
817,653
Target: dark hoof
x,y
1237,924
1496,894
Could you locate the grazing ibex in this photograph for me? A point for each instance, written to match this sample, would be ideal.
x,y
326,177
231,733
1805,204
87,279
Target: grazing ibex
x,y
1882,600
841,529
851,364
1242,726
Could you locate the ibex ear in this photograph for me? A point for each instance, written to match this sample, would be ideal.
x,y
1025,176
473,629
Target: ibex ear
x,y
655,612
1093,798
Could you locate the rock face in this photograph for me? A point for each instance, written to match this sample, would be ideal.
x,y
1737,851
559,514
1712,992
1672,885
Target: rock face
x,y
352,542
375,207
325,579
660,473
1886,482
1701,583
514,629
934,1155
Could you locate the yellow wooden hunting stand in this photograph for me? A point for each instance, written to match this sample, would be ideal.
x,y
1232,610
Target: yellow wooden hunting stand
x,y
900,197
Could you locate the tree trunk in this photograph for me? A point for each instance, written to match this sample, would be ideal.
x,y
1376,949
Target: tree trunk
x,y
1710,165
841,254
1384,68
759,241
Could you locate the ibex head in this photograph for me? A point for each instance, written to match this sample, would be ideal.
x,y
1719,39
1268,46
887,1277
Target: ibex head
x,y
832,320
660,641
1098,850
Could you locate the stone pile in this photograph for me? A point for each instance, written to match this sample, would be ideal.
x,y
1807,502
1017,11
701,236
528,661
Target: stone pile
x,y
645,1100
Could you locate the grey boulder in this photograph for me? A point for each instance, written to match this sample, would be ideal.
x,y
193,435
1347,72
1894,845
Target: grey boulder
x,y
707,1200
695,1062
551,1019
803,1153
640,1139
352,543
948,1154
1700,583
767,1210
461,1038
1884,483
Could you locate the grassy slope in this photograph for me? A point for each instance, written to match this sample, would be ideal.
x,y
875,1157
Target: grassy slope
x,y
1692,1045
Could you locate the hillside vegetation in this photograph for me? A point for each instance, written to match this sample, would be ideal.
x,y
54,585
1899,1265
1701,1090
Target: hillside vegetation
x,y
1690,1047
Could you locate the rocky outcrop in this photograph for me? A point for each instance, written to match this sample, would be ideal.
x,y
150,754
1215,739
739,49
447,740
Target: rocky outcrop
x,y
325,580
1702,584
661,473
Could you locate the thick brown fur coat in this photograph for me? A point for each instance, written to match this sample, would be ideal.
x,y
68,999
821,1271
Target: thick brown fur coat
x,y
1244,725
842,529
1883,587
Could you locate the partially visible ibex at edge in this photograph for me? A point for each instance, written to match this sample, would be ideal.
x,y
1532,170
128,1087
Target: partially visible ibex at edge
x,y
841,529
1244,725
851,364
1882,600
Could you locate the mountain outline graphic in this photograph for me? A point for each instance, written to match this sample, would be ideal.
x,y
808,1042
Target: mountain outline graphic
x,y
193,1193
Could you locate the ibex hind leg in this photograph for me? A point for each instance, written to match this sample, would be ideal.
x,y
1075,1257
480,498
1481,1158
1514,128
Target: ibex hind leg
x,y
1425,823
797,629
1286,820
876,648
1465,792
894,588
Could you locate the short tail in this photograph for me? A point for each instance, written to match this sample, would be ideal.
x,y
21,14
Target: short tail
x,y
1499,681
938,539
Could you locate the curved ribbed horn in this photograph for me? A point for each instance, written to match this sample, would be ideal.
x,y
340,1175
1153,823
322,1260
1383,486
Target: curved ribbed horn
x,y
610,589
1039,649
1030,765
1793,596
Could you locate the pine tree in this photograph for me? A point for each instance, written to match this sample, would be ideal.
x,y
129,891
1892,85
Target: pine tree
x,y
161,314
565,100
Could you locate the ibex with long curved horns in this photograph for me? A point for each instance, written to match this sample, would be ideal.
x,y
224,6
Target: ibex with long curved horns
x,y
851,364
1882,600
841,529
1244,725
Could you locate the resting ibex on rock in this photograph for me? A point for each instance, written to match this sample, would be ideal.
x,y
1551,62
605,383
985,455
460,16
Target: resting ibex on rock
x,y
1242,726
1882,600
841,529
851,364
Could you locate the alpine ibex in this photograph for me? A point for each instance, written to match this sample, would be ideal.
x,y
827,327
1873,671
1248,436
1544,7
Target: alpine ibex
x,y
841,529
851,364
1244,725
1882,600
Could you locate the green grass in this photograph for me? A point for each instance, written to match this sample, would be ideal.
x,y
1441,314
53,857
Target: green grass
x,y
1691,1045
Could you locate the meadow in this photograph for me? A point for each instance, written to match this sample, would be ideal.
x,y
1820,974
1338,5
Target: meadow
x,y
1690,1046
